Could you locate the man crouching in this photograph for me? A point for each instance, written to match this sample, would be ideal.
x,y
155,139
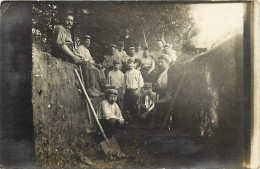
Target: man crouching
x,y
109,113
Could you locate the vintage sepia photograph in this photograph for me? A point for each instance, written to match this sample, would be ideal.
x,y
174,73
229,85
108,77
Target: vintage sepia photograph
x,y
137,84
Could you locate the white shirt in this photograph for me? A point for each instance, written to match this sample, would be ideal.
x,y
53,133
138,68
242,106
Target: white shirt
x,y
163,79
116,78
109,111
139,54
122,56
133,79
84,52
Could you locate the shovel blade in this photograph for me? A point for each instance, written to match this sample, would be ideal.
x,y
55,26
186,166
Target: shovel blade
x,y
110,145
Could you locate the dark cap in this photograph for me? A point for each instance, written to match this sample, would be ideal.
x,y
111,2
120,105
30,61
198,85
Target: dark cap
x,y
111,91
130,60
116,62
137,61
147,85
146,48
165,57
106,87
113,45
68,12
168,45
84,37
130,48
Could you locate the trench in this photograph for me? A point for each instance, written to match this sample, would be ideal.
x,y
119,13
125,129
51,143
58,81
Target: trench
x,y
202,134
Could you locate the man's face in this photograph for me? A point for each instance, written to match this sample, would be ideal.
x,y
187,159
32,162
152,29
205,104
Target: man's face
x,y
163,65
131,65
138,47
112,98
146,53
113,49
87,42
69,21
159,45
147,90
132,52
167,49
116,66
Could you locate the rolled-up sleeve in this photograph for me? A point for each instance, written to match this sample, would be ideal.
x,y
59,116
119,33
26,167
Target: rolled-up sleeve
x,y
59,36
118,112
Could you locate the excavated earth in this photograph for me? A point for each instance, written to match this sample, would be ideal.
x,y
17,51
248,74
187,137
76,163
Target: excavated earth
x,y
209,105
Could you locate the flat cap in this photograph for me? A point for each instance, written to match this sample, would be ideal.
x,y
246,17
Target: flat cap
x,y
165,57
168,45
147,85
130,60
112,91
109,87
113,45
116,61
146,48
84,37
130,48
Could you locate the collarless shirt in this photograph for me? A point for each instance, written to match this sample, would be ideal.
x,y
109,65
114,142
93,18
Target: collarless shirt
x,y
109,111
84,52
116,78
133,79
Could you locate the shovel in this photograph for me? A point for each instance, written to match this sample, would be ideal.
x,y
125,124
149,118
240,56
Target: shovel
x,y
81,74
109,146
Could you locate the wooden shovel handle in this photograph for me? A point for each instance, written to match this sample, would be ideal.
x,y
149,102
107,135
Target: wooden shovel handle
x,y
91,106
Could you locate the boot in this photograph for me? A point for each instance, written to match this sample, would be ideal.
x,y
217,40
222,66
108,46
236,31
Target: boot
x,y
92,93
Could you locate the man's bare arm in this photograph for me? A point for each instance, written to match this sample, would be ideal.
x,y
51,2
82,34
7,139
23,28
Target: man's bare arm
x,y
71,54
152,67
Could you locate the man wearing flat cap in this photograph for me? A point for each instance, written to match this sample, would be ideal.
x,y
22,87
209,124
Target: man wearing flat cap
x,y
109,113
132,53
89,67
147,103
147,66
134,83
169,52
117,78
108,59
161,84
122,56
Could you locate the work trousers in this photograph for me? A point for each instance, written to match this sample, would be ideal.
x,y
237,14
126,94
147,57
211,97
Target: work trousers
x,y
131,103
110,126
120,99
88,76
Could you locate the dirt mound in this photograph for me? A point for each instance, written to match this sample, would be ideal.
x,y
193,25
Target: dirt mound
x,y
60,116
210,100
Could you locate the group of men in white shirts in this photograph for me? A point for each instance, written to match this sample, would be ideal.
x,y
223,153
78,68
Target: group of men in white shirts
x,y
129,77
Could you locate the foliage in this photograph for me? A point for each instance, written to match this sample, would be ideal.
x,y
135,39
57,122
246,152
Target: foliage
x,y
104,21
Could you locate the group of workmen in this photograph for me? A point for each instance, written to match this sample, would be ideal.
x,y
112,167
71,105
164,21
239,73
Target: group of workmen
x,y
132,77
